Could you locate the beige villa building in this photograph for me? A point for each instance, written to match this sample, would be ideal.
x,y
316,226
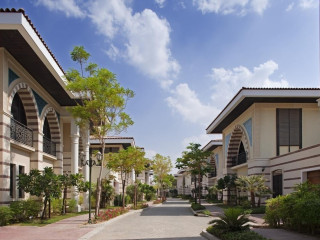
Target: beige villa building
x,y
36,130
273,132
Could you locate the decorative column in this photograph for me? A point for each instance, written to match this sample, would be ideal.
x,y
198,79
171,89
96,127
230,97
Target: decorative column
x,y
85,135
75,155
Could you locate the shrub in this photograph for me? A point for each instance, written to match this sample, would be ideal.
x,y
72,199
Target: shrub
x,y
157,201
197,206
245,235
111,213
233,220
18,212
6,215
25,209
72,203
32,208
56,205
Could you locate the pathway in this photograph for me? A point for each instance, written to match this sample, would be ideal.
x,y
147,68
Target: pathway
x,y
170,220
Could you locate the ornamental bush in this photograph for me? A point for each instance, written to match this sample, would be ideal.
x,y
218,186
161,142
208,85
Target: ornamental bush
x,y
299,210
197,206
25,209
6,215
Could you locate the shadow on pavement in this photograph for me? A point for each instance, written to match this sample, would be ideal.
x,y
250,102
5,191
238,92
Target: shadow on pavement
x,y
166,211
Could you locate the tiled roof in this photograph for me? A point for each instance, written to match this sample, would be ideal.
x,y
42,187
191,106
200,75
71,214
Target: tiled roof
x,y
259,89
20,10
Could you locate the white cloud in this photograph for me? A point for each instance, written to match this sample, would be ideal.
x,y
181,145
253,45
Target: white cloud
x,y
146,38
186,102
68,7
307,4
227,82
202,139
290,7
160,3
113,52
240,7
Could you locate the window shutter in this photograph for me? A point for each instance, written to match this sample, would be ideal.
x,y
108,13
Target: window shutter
x,y
283,127
294,127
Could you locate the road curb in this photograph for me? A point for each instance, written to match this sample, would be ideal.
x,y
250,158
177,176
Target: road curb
x,y
208,236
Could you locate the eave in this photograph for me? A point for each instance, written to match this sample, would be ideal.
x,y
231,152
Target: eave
x,y
248,96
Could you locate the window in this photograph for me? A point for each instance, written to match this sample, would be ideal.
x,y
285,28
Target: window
x,y
289,130
21,171
12,180
277,183
46,129
17,110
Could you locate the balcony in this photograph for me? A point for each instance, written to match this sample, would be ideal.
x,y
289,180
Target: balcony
x,y
49,146
239,159
21,133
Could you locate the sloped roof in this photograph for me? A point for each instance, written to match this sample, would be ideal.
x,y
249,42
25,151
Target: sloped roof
x,y
247,96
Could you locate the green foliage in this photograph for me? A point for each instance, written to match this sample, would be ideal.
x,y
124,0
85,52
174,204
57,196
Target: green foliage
x,y
195,160
6,215
299,210
72,203
56,205
197,206
25,209
162,166
254,184
233,220
243,235
107,193
149,191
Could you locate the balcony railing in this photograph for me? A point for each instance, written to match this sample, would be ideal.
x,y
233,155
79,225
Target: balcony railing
x,y
239,159
21,133
49,146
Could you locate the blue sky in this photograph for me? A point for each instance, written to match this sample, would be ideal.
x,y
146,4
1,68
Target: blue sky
x,y
185,59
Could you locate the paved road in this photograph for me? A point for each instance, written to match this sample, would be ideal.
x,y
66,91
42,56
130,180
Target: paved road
x,y
171,220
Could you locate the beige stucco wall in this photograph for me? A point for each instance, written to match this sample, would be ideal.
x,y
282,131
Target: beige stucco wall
x,y
295,165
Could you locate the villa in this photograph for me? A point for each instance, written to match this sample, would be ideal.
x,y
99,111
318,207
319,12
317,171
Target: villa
x,y
274,132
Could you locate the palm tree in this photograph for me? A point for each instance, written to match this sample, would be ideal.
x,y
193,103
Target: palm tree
x,y
253,184
234,219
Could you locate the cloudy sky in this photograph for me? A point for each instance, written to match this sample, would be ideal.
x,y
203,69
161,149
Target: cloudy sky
x,y
185,59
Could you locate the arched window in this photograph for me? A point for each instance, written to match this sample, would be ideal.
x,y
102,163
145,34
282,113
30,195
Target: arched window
x,y
17,110
46,129
242,155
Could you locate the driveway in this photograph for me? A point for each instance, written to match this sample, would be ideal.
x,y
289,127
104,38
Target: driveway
x,y
170,220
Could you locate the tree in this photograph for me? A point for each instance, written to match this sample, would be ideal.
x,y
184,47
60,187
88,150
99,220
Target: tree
x,y
107,192
41,184
67,181
124,162
252,184
102,103
197,162
220,186
161,166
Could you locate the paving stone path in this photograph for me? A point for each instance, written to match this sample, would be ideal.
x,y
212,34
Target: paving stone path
x,y
170,220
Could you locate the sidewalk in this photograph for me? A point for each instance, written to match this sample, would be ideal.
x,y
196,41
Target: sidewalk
x,y
67,229
270,233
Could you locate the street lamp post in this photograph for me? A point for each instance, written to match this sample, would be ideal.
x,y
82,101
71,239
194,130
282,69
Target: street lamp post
x,y
90,163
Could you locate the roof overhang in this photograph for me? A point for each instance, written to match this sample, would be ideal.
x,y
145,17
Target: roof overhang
x,y
20,38
247,96
213,144
124,141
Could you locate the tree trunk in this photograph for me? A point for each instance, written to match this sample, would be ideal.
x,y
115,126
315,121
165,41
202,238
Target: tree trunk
x,y
44,208
64,201
253,202
200,186
259,201
123,197
49,207
195,190
135,196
